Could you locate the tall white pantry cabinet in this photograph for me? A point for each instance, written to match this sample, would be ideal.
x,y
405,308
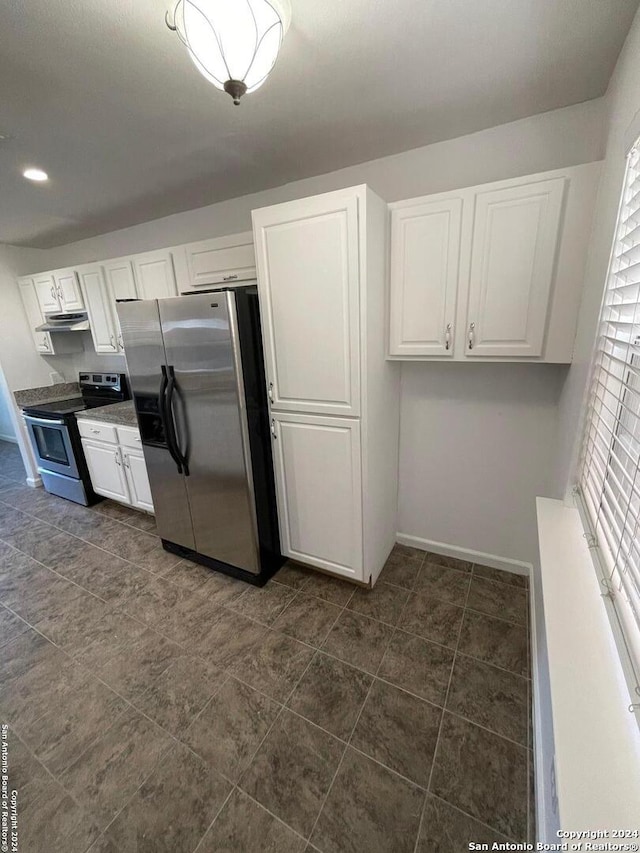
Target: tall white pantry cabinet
x,y
334,398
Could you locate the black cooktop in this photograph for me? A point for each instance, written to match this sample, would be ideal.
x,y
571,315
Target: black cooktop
x,y
66,407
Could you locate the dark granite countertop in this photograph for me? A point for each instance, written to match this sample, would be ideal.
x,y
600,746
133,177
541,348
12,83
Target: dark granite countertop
x,y
46,394
121,414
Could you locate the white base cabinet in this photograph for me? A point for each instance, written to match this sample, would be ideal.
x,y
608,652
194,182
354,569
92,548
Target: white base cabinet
x,y
493,272
116,463
319,487
106,470
334,398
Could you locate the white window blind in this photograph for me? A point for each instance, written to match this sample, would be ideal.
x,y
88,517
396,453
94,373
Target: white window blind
x,y
609,480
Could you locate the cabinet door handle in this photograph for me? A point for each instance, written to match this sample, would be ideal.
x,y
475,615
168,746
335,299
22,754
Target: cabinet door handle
x,y
270,392
117,456
125,459
472,328
120,341
45,342
273,429
53,294
447,337
113,341
95,431
229,277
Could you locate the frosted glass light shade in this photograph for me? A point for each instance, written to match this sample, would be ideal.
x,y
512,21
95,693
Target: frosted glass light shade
x,y
233,43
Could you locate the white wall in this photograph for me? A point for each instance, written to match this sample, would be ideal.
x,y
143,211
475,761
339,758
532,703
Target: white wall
x,y
20,365
7,429
506,426
476,445
622,104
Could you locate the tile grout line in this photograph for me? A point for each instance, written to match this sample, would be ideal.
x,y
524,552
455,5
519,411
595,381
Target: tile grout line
x,y
88,542
444,706
348,743
282,708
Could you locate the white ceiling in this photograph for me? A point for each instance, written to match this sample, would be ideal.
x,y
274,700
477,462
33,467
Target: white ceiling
x,y
104,98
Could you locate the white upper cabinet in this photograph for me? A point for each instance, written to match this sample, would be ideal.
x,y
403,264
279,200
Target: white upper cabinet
x,y
515,235
103,329
154,274
224,260
32,309
308,274
58,291
494,271
319,484
120,285
68,289
425,248
46,293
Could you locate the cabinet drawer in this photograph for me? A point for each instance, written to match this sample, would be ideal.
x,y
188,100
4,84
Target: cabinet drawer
x,y
129,437
97,431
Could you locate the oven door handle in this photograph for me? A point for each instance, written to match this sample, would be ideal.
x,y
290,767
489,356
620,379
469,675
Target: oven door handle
x,y
46,421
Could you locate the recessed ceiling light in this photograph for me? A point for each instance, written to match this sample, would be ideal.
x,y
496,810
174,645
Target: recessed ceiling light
x,y
35,175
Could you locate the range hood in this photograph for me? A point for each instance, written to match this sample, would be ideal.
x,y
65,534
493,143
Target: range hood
x,y
78,321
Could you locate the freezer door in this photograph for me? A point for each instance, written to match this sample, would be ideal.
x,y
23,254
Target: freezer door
x,y
145,354
206,402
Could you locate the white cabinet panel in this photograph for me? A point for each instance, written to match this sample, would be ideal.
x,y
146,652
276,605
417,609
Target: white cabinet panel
x,y
319,488
42,340
103,330
308,276
219,261
106,470
515,236
137,479
46,293
69,293
425,249
120,285
155,276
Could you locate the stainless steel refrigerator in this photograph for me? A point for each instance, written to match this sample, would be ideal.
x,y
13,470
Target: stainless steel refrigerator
x,y
197,379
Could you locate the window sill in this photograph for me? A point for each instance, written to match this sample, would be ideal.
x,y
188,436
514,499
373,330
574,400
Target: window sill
x,y
596,738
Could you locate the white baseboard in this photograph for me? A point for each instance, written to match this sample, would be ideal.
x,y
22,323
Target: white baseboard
x,y
34,482
492,560
10,438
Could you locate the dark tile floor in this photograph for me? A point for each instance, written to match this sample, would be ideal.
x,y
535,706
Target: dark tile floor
x,y
155,706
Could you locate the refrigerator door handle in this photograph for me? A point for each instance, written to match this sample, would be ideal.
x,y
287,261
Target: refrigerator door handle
x,y
167,418
179,457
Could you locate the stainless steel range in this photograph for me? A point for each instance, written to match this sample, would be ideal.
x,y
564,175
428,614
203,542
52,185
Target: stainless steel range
x,y
55,438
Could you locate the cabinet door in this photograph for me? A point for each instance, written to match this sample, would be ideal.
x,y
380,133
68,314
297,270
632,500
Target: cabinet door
x,y
95,293
425,252
42,340
515,235
155,275
120,285
69,293
319,489
227,259
46,293
106,470
137,479
308,277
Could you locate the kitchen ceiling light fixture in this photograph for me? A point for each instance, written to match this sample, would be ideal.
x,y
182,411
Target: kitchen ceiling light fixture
x,y
233,43
35,175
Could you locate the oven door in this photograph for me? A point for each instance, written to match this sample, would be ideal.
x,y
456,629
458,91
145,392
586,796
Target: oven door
x,y
52,445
